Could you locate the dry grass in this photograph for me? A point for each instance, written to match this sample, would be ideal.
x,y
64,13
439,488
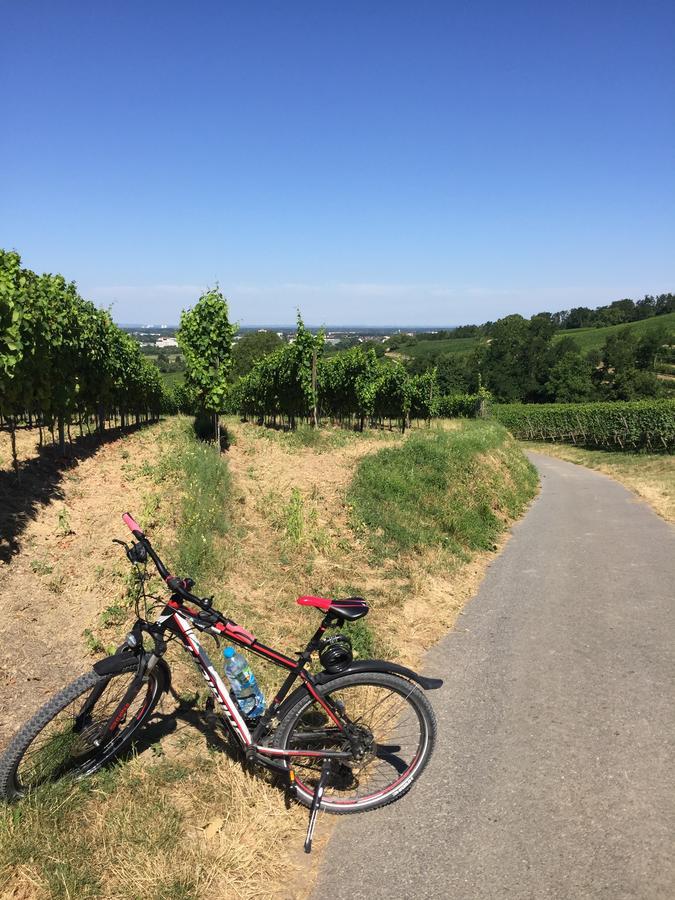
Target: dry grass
x,y
290,532
650,475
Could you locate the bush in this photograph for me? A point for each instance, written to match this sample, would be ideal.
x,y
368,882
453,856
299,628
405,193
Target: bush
x,y
453,406
636,425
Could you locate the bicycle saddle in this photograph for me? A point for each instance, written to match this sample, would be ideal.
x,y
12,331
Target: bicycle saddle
x,y
350,609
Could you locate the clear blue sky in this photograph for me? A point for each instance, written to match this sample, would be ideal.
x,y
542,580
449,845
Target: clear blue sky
x,y
370,162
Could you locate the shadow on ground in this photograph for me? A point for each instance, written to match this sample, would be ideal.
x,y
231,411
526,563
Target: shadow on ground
x,y
38,482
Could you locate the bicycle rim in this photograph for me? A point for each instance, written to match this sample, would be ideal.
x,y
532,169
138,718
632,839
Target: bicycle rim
x,y
394,737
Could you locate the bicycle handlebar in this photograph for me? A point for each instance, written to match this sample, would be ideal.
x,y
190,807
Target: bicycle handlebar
x,y
132,525
173,582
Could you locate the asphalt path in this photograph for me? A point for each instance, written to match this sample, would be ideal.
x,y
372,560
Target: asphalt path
x,y
554,771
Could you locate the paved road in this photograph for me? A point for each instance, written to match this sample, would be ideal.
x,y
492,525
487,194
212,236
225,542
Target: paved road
x,y
554,774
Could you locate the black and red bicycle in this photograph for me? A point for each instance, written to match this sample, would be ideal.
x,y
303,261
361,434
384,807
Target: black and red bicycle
x,y
352,737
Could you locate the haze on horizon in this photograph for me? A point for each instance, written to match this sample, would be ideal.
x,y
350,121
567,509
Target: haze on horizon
x,y
389,165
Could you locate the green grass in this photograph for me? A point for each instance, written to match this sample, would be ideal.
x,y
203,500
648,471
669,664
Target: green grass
x,y
52,833
204,481
173,379
196,477
594,338
443,489
432,349
586,338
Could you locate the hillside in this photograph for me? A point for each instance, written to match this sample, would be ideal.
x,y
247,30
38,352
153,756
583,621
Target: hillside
x,y
594,338
431,349
585,338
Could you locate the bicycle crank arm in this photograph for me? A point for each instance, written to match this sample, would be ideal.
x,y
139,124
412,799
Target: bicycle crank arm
x,y
316,804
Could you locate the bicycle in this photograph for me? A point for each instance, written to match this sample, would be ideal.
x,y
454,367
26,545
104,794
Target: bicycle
x,y
350,738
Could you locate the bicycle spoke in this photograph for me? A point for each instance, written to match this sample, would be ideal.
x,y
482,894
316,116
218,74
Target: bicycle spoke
x,y
380,720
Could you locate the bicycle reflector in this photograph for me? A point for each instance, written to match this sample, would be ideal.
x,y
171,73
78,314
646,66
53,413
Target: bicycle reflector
x,y
335,653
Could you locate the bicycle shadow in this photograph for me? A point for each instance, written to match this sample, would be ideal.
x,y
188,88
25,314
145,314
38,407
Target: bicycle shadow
x,y
210,725
186,715
38,482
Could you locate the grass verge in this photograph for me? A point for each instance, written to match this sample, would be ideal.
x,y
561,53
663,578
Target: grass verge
x,y
650,475
442,490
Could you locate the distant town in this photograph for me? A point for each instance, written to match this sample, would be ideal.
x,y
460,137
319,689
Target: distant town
x,y
163,337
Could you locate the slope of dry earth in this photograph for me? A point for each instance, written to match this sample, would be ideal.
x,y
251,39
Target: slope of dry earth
x,y
66,572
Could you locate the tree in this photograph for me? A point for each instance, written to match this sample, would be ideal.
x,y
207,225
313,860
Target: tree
x,y
649,346
12,280
451,373
505,364
250,348
205,336
570,379
627,361
579,317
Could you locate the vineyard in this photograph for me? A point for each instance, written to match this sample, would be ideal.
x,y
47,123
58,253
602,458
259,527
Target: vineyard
x,y
64,363
353,388
638,425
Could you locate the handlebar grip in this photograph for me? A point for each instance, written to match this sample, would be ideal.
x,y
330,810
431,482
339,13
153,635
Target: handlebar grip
x,y
131,524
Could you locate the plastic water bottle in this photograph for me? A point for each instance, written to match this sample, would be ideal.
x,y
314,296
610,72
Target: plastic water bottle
x,y
244,685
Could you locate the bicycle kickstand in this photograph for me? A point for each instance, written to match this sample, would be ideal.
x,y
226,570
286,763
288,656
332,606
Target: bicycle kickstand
x,y
316,803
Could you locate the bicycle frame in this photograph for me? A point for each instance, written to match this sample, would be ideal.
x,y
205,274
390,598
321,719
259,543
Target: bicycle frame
x,y
184,624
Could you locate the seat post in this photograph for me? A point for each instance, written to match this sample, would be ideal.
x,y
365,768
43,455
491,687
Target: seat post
x,y
330,620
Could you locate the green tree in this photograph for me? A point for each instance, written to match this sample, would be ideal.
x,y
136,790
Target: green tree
x,y
570,379
250,348
505,364
12,280
205,336
451,372
649,346
628,362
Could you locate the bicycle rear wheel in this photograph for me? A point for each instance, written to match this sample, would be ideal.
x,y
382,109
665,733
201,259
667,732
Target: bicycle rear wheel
x,y
72,734
392,725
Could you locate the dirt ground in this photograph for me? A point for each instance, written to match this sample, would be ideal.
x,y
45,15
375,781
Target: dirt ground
x,y
63,570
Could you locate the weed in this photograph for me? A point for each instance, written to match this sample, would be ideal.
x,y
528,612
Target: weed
x,y
362,638
63,528
204,509
150,510
39,567
92,643
294,518
113,615
55,585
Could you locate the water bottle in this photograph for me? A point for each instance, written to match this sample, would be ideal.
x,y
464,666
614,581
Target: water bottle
x,y
244,685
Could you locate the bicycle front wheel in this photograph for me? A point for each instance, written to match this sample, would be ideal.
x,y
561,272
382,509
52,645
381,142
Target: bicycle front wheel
x,y
390,729
73,735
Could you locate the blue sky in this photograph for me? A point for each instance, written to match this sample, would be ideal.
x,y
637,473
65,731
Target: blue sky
x,y
377,163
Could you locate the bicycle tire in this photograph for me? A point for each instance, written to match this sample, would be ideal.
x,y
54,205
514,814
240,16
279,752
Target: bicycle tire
x,y
11,785
415,706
